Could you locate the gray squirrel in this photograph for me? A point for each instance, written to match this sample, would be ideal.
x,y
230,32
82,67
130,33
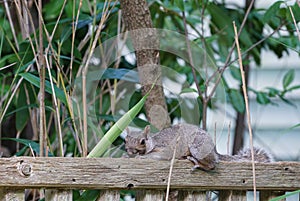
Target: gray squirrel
x,y
190,142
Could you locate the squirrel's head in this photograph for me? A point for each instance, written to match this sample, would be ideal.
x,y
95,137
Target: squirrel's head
x,y
135,142
134,146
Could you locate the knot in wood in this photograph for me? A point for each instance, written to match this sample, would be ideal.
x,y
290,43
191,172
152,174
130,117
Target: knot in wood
x,y
25,169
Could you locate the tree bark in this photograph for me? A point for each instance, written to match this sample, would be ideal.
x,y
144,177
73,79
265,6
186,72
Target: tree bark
x,y
238,141
137,19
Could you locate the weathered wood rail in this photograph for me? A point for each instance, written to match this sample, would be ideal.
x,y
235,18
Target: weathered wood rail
x,y
149,177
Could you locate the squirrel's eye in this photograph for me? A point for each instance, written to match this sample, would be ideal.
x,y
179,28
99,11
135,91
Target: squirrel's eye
x,y
142,142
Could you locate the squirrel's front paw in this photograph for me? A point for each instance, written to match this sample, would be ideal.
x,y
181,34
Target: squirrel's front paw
x,y
125,155
140,156
154,156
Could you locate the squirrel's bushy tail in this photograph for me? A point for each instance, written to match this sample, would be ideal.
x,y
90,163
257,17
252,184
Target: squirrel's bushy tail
x,y
260,155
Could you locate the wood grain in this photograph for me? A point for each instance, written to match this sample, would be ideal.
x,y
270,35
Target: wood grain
x,y
125,173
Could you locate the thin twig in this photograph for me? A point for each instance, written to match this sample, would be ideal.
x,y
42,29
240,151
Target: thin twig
x,y
20,18
55,100
171,169
117,63
25,16
256,44
228,138
11,97
247,107
84,113
86,60
13,89
11,24
29,16
205,99
48,36
56,58
215,134
43,136
191,56
295,23
56,109
71,113
90,52
32,115
221,71
58,19
74,27
31,150
22,21
9,65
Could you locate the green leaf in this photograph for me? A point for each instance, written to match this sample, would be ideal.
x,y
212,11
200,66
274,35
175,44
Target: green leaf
x,y
24,67
262,98
286,100
29,144
76,195
272,11
285,196
291,128
236,73
237,100
117,129
179,4
188,90
66,33
222,21
51,12
288,78
296,12
33,79
112,73
85,22
21,109
293,88
6,58
89,195
122,74
273,92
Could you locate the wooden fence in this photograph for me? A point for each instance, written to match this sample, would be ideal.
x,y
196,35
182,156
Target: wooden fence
x,y
60,175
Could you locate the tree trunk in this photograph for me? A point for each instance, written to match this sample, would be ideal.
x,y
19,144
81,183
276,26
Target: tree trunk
x,y
238,141
136,16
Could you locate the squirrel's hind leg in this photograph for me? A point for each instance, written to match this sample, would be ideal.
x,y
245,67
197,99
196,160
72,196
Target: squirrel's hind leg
x,y
202,152
197,165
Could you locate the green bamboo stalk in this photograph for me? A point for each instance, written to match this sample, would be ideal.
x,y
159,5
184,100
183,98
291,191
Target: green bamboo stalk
x,y
117,129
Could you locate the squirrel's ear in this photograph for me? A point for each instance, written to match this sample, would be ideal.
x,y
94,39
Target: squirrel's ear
x,y
146,132
128,134
142,141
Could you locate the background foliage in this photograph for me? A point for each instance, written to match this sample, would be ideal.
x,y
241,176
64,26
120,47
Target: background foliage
x,y
58,57
209,25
